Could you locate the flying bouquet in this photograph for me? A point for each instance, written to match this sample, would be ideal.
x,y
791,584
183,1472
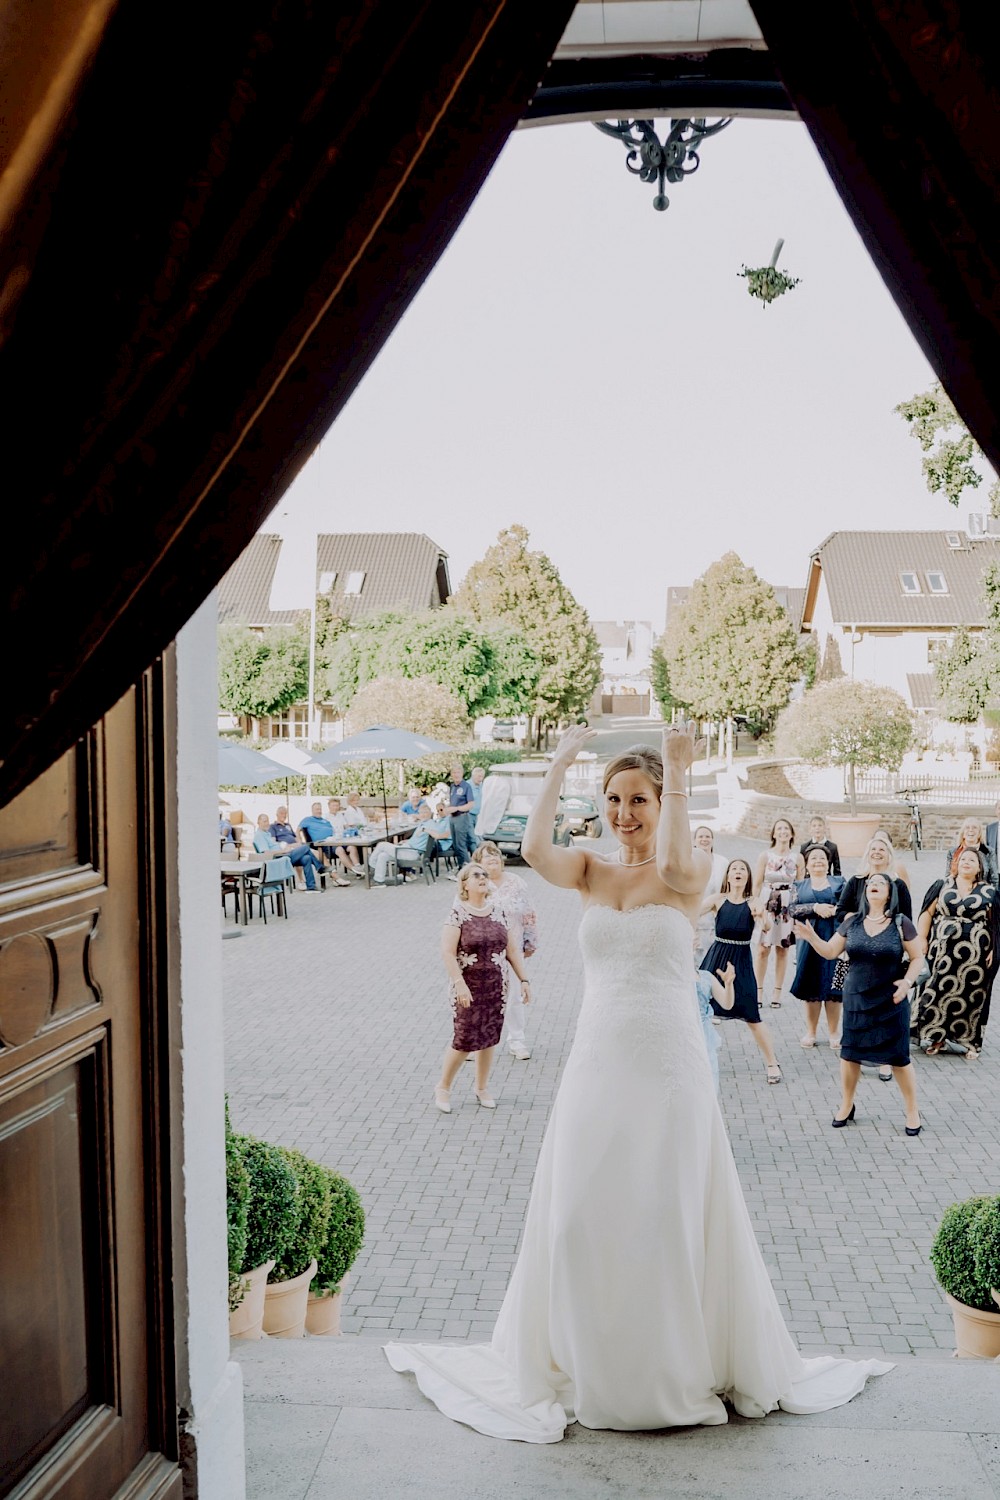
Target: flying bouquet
x,y
767,282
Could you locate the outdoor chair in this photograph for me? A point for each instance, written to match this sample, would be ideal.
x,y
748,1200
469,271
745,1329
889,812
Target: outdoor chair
x,y
409,862
267,890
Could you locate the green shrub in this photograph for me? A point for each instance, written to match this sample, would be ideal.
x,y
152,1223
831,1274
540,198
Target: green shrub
x,y
985,1234
344,1235
274,1212
953,1255
314,1221
237,1209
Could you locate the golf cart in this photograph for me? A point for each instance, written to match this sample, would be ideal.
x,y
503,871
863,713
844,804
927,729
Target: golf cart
x,y
580,801
510,791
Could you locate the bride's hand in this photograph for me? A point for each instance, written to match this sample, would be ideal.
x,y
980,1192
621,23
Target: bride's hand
x,y
680,747
571,742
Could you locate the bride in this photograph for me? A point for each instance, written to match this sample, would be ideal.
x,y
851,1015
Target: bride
x,y
639,1299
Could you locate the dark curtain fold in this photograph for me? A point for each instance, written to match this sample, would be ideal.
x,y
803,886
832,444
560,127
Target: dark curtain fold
x,y
903,104
235,214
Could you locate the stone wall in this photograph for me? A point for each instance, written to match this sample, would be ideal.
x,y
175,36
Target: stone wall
x,y
753,797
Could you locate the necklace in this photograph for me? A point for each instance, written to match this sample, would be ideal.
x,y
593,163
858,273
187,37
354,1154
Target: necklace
x,y
634,864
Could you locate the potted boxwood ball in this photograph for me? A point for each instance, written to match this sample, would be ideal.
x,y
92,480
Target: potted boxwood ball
x,y
344,1237
288,1286
272,1218
966,1260
237,1209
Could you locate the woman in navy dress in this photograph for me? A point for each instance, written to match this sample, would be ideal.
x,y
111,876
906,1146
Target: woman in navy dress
x,y
876,1025
816,897
734,925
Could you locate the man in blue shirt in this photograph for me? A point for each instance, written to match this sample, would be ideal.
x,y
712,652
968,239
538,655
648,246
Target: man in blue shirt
x,y
461,801
428,828
296,854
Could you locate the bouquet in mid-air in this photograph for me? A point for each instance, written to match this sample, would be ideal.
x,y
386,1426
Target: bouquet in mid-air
x,y
767,282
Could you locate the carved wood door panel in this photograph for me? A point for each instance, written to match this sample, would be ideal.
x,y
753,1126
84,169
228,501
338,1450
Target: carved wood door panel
x,y
85,1341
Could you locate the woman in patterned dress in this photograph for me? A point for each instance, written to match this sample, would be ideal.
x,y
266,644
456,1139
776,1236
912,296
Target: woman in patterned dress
x,y
476,944
518,907
959,921
777,872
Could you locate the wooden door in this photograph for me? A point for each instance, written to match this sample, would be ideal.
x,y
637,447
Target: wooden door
x,y
85,1327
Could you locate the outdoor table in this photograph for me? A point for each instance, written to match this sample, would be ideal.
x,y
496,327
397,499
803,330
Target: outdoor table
x,y
365,842
240,869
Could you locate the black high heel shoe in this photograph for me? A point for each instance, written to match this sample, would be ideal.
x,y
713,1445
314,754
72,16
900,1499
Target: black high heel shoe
x,y
839,1124
912,1129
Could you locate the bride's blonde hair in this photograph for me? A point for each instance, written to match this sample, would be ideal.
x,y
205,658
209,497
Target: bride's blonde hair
x,y
637,758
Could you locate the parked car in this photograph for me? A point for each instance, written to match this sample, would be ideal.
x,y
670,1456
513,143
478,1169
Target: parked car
x,y
503,729
509,793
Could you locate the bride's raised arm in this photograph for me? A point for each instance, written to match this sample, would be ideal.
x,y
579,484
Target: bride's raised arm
x,y
679,865
564,867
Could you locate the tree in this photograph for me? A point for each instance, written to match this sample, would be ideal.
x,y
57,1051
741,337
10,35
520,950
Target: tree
x,y
418,704
731,648
489,670
262,674
846,723
831,666
951,453
659,677
513,586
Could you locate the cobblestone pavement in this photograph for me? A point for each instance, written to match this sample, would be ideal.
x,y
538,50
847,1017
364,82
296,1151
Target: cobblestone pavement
x,y
335,1024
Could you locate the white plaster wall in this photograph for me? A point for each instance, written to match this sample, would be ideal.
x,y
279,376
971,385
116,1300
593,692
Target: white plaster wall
x,y
209,1384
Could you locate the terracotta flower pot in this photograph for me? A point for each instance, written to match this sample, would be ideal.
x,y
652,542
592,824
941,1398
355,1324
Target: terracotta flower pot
x,y
245,1320
977,1334
285,1305
323,1311
851,835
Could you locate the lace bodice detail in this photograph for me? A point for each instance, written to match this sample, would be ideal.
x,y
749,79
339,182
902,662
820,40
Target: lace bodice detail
x,y
639,1007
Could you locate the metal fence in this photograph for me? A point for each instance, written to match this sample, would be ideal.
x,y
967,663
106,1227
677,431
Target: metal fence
x,y
880,786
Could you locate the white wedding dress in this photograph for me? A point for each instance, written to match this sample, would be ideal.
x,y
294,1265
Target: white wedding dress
x,y
639,1299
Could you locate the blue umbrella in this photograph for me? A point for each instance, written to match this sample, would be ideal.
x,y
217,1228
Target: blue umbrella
x,y
381,743
240,766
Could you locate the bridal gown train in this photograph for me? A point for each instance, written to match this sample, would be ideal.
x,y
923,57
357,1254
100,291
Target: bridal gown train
x,y
639,1299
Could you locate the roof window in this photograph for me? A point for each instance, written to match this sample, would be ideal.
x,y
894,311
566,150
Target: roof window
x,y
355,583
954,539
910,582
936,583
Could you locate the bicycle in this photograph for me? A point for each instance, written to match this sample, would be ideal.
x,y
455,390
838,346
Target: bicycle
x,y
910,795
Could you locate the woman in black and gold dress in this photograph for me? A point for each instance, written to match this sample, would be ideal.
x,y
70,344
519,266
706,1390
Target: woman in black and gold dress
x,y
959,923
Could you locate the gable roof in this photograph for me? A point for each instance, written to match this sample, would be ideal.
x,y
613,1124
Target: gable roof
x,y
245,590
863,571
402,570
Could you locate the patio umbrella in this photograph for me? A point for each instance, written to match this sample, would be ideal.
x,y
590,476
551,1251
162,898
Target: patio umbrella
x,y
240,766
291,758
381,743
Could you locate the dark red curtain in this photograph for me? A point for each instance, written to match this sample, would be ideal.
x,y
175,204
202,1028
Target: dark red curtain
x,y
903,104
232,219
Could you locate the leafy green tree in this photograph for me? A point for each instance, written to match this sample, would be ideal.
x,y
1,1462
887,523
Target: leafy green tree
x,y
415,703
963,677
857,725
951,454
517,587
731,648
262,674
489,669
659,677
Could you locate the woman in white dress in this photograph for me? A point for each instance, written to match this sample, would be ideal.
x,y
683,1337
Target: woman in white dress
x,y
639,1299
704,932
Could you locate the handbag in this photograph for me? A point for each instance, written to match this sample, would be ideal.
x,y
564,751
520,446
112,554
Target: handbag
x,y
840,972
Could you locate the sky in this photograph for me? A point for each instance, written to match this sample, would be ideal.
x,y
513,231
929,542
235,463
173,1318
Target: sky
x,y
598,372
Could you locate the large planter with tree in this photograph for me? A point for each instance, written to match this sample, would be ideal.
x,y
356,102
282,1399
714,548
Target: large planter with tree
x,y
966,1260
856,725
345,1233
272,1218
288,1288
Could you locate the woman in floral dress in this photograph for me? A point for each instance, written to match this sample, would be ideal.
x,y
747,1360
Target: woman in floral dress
x,y
777,872
519,911
475,945
959,922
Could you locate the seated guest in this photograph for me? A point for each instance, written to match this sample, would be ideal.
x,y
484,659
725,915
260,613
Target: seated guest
x,y
227,838
279,866
281,829
355,816
818,836
347,854
415,799
423,837
314,828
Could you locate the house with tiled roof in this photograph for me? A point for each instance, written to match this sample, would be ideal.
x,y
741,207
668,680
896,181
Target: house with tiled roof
x,y
626,648
890,600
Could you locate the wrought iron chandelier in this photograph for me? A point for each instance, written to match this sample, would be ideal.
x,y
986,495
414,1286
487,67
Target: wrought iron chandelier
x,y
653,160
